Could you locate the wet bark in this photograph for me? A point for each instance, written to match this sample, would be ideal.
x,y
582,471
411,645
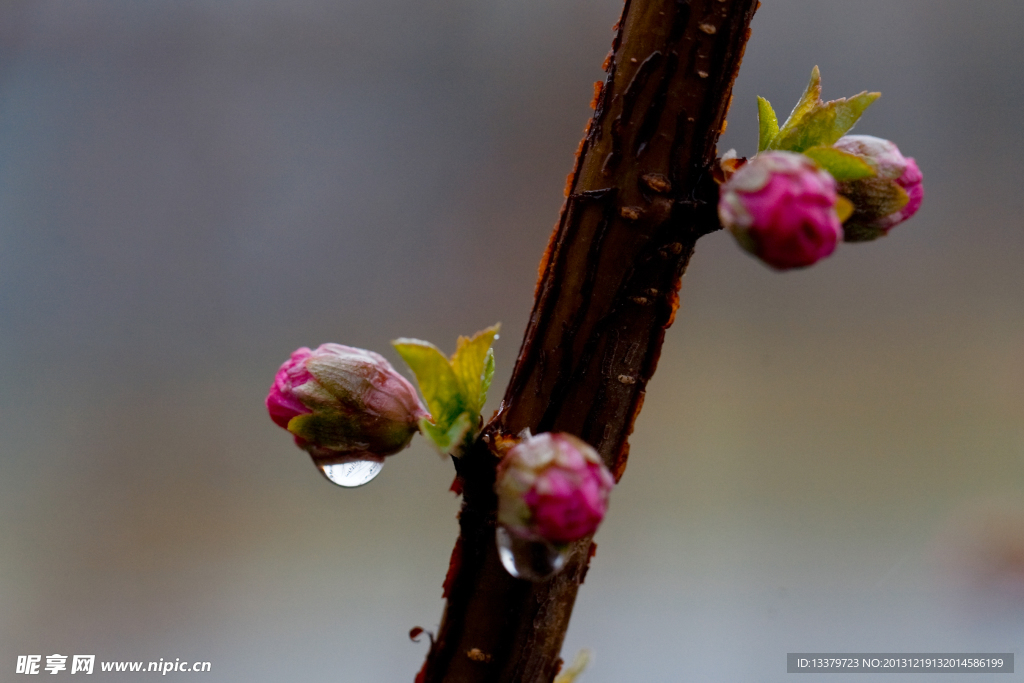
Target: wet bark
x,y
640,196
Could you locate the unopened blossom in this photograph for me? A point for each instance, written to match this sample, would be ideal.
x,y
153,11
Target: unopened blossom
x,y
552,487
780,206
343,403
876,200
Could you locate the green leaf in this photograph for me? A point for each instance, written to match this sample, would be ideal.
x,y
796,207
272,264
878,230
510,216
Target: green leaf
x,y
767,124
446,441
455,390
848,111
816,123
572,672
808,101
488,376
437,380
841,165
829,122
469,364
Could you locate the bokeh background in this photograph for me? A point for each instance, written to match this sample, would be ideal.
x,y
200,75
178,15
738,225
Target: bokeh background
x,y
828,460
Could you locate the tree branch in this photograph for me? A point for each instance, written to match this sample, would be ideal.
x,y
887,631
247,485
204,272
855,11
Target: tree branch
x,y
639,198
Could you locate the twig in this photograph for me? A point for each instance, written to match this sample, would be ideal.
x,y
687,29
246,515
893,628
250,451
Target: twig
x,y
639,198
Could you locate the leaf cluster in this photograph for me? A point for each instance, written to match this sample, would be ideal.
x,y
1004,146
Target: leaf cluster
x,y
454,389
814,126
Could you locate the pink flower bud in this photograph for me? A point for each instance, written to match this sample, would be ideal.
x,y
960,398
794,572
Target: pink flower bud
x,y
344,404
877,201
780,206
552,487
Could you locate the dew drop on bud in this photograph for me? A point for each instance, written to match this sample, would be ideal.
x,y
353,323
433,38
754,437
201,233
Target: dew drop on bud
x,y
352,474
530,559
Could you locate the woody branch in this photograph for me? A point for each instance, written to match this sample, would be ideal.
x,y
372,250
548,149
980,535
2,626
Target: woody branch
x,y
640,196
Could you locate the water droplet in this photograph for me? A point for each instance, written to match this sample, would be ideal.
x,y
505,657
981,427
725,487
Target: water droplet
x,y
352,474
530,559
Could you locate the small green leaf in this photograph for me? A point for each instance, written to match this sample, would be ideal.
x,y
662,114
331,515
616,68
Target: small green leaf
x,y
849,110
841,165
485,384
437,380
447,440
808,101
572,672
816,123
469,363
826,123
767,124
455,390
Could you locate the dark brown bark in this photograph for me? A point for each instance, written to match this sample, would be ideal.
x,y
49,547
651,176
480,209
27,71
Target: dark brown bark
x,y
639,198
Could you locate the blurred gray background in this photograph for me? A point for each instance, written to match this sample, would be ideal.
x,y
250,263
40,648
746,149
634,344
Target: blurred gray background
x,y
828,460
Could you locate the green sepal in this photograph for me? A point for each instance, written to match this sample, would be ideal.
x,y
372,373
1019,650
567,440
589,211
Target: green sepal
x,y
815,123
767,124
447,441
888,198
470,365
307,427
331,431
841,165
872,198
844,208
438,383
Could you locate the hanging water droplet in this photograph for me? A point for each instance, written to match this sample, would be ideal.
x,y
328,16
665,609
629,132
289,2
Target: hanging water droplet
x,y
352,474
530,559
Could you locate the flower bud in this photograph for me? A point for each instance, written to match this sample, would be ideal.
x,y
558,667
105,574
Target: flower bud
x,y
344,404
881,202
780,206
552,487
